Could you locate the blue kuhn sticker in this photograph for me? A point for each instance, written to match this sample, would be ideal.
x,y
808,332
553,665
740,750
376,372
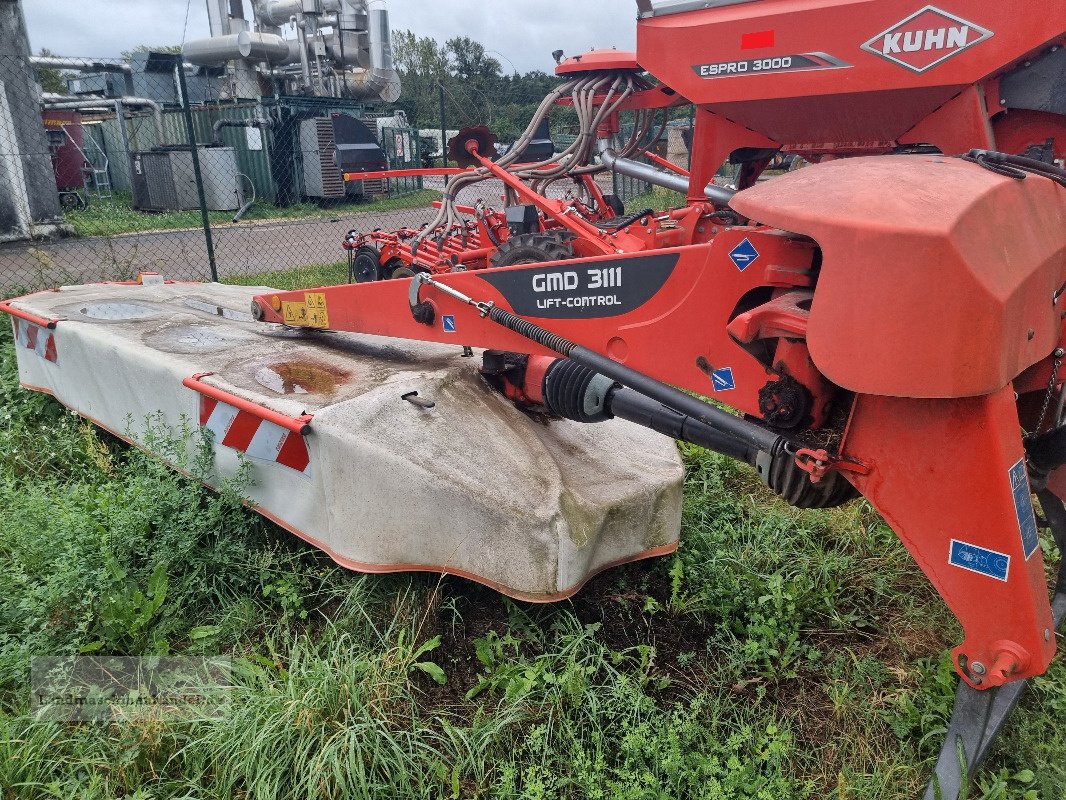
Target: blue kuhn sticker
x,y
449,323
1023,507
744,255
722,379
979,560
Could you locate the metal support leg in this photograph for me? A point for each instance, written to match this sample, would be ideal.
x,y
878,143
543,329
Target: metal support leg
x,y
978,717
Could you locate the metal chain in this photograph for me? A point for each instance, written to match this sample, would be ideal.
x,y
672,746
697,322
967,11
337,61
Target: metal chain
x,y
1050,390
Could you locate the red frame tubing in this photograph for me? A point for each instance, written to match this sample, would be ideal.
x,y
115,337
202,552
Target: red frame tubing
x,y
435,172
300,425
666,163
7,308
586,231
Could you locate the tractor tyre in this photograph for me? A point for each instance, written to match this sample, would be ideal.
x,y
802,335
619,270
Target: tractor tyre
x,y
534,248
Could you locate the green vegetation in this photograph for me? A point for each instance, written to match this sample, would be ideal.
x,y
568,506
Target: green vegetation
x,y
478,90
116,217
657,200
297,277
781,654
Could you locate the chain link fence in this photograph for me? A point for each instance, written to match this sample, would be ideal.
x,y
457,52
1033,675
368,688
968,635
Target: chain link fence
x,y
125,167
97,187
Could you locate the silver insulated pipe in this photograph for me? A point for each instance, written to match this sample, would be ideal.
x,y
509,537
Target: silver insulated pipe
x,y
356,55
63,102
278,12
383,71
244,45
637,170
380,80
78,64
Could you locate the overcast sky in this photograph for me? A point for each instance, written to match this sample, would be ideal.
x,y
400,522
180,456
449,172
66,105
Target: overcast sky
x,y
522,32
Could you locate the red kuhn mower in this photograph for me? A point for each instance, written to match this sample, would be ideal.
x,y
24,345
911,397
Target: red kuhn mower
x,y
888,322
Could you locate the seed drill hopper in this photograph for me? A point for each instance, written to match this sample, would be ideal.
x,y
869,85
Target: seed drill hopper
x,y
887,322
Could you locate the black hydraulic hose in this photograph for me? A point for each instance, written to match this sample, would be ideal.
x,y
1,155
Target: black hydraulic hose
x,y
745,432
632,406
1046,452
1015,166
618,224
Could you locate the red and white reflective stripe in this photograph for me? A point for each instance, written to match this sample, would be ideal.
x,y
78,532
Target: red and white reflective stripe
x,y
254,436
36,338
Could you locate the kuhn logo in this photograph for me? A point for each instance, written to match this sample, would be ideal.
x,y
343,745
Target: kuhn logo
x,y
926,38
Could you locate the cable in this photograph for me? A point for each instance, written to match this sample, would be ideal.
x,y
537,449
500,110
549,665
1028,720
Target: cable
x,y
455,99
185,29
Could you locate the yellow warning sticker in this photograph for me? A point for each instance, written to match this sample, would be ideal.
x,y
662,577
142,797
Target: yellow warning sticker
x,y
294,313
317,313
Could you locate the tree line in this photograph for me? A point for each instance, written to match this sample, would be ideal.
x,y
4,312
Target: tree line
x,y
476,89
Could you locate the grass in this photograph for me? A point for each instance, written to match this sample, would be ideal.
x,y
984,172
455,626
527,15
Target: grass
x,y
780,654
115,217
657,200
306,277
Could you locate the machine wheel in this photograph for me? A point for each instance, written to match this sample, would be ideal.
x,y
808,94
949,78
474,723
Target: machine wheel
x,y
388,269
402,272
614,202
367,265
534,248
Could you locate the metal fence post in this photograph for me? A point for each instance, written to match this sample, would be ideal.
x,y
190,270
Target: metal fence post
x,y
190,131
443,131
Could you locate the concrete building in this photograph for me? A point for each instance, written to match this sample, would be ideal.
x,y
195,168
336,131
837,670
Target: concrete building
x,y
29,202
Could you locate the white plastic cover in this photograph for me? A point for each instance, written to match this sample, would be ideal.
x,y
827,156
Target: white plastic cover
x,y
472,487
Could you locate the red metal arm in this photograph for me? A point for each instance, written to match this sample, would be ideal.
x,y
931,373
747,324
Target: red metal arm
x,y
434,172
667,164
592,236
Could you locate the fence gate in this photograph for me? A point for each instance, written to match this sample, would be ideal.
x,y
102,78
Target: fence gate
x,y
403,150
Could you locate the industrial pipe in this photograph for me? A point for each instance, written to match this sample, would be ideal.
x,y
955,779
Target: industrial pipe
x,y
382,78
718,195
277,12
218,17
244,45
58,102
352,15
254,122
305,63
78,64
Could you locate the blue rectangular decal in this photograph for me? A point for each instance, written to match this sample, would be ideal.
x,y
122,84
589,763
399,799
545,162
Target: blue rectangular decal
x,y
979,560
448,321
1023,508
722,380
